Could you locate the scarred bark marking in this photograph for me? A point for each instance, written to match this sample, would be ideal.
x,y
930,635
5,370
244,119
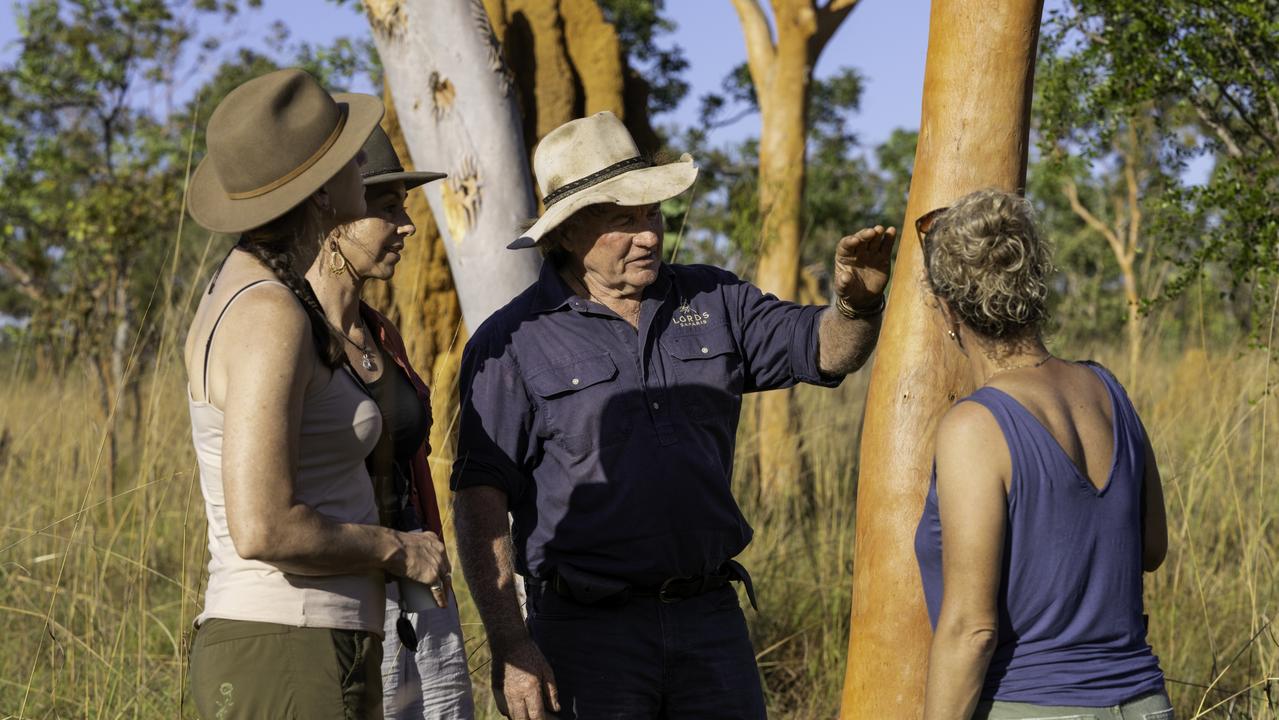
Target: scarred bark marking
x,y
442,95
386,16
480,17
461,196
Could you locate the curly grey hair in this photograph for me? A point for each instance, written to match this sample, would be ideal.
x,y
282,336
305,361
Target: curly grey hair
x,y
986,259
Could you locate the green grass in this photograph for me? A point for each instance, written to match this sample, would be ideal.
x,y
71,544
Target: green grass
x,y
95,605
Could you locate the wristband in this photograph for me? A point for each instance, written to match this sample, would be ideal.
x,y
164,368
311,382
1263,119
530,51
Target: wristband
x,y
853,313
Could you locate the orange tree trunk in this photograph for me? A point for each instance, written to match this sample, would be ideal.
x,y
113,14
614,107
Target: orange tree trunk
x,y
781,59
781,193
973,134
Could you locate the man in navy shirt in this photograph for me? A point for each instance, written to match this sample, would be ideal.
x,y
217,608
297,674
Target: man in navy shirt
x,y
600,409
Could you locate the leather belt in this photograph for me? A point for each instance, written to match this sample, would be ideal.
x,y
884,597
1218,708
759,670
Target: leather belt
x,y
580,589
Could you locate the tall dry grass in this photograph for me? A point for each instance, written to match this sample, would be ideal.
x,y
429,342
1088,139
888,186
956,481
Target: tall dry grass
x,y
94,608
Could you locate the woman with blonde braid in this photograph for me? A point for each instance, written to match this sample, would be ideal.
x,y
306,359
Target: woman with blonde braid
x,y
293,610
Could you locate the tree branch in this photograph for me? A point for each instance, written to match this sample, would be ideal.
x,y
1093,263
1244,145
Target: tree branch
x,y
1134,193
1243,116
1072,194
1266,88
829,18
24,281
1223,134
760,49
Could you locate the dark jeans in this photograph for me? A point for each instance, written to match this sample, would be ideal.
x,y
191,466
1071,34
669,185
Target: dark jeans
x,y
649,659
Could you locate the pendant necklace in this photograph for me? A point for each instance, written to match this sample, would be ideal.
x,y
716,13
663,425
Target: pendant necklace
x,y
366,353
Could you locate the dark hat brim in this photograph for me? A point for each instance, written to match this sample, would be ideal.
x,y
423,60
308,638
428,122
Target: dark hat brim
x,y
212,207
411,179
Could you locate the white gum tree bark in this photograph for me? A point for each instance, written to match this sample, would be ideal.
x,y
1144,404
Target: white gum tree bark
x,y
457,109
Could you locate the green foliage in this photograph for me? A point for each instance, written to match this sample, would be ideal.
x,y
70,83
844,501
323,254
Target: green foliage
x,y
1198,70
843,191
92,168
640,24
88,181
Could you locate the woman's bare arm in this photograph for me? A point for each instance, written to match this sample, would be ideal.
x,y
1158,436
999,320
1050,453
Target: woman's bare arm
x,y
972,466
264,362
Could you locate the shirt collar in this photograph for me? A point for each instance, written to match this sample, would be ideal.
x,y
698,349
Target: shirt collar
x,y
553,293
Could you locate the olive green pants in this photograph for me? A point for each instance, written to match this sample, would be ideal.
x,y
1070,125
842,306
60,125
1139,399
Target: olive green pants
x,y
243,670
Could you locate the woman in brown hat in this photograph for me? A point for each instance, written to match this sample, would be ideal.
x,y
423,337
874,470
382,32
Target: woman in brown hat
x,y
293,610
424,666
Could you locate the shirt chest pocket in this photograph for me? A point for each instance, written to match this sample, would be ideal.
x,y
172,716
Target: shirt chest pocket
x,y
584,403
707,369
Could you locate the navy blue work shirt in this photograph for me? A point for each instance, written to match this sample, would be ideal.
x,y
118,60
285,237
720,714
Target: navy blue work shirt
x,y
615,447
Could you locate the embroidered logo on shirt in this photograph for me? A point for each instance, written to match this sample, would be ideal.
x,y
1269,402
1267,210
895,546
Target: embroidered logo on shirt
x,y
686,316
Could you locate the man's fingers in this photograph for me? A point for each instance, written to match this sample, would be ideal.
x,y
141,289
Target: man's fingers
x,y
533,705
517,709
886,241
552,692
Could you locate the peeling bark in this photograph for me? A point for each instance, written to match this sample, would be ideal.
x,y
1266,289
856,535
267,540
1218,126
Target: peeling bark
x,y
471,131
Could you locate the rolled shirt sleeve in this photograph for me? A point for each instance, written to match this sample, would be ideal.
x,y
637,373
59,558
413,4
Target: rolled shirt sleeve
x,y
496,419
779,339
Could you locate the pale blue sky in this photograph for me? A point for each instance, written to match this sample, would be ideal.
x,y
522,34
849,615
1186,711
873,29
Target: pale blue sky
x,y
884,39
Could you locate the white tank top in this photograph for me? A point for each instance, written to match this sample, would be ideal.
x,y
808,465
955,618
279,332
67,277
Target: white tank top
x,y
340,425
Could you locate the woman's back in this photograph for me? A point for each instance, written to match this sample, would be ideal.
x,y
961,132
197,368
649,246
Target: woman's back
x,y
1070,627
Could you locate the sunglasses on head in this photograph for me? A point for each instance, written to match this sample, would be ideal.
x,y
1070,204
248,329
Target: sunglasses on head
x,y
924,224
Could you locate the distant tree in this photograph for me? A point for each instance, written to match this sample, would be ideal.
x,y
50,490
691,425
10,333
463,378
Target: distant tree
x,y
781,55
1209,66
90,184
1109,201
93,161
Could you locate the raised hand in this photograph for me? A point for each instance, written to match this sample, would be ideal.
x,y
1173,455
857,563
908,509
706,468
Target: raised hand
x,y
862,264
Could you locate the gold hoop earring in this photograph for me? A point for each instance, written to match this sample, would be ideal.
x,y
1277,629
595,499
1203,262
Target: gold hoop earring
x,y
337,261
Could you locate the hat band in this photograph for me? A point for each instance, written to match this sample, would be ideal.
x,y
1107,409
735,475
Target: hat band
x,y
306,164
374,172
595,178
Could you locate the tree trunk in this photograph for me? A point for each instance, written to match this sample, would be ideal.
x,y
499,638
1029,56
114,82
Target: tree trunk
x,y
568,63
973,134
456,105
422,302
781,196
781,70
1133,321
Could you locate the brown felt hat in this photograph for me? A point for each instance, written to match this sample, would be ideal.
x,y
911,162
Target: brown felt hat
x,y
382,164
272,142
594,160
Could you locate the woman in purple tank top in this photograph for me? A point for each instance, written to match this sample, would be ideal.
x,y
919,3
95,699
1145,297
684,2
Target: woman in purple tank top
x,y
1044,506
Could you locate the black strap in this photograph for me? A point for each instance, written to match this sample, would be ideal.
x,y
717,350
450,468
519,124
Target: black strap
x,y
208,344
595,178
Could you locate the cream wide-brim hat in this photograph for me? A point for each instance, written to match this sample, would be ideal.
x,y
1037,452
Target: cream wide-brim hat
x,y
272,142
594,160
